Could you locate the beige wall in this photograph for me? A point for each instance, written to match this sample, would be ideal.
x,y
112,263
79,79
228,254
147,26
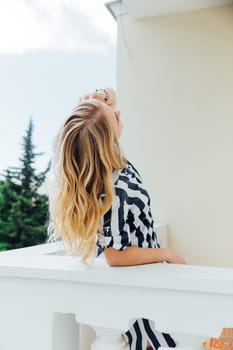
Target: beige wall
x,y
176,95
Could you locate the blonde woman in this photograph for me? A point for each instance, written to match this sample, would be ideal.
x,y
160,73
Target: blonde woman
x,y
100,204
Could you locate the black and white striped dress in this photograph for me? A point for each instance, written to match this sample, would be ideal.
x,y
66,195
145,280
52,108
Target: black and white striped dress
x,y
128,223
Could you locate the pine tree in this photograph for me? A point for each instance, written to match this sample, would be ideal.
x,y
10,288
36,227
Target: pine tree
x,y
23,210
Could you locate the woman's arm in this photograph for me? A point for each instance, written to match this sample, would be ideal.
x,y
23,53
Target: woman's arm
x,y
139,256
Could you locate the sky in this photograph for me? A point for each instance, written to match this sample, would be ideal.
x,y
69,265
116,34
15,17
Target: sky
x,y
51,52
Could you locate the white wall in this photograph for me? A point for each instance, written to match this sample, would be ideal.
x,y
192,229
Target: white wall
x,y
176,95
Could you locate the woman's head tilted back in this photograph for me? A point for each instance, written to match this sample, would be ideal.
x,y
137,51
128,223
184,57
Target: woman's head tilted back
x,y
87,152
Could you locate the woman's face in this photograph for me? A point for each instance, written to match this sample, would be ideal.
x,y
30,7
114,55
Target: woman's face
x,y
115,118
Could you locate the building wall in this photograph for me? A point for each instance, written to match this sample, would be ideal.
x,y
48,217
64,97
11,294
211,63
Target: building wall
x,y
175,86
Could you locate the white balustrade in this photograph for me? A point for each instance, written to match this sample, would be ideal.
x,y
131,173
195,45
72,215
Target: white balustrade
x,y
45,296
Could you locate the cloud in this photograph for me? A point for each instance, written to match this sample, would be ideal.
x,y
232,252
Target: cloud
x,y
27,25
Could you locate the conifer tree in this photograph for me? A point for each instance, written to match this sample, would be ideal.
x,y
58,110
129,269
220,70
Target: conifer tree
x,y
23,210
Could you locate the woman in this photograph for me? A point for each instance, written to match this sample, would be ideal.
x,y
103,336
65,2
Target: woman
x,y
101,205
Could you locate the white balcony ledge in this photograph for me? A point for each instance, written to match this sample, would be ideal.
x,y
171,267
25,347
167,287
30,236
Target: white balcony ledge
x,y
38,284
48,262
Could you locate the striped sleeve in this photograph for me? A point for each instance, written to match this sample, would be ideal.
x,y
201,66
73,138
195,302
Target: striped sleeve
x,y
115,224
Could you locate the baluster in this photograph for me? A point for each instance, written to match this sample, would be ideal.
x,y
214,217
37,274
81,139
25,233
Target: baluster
x,y
108,339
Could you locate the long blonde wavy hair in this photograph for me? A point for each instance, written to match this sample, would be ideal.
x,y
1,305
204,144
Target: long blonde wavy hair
x,y
86,154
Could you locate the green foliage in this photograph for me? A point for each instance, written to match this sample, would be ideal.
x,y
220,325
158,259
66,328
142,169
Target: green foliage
x,y
23,210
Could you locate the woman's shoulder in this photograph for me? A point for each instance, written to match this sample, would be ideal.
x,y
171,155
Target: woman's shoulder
x,y
126,175
132,168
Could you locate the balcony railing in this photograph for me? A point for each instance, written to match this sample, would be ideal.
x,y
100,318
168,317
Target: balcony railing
x,y
47,298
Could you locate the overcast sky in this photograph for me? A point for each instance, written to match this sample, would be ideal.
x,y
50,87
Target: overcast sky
x,y
51,52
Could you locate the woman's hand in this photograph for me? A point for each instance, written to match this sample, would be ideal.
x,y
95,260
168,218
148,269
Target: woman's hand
x,y
106,95
172,257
